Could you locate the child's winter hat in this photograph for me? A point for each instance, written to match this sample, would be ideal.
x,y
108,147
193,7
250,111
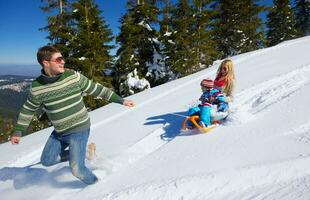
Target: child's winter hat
x,y
207,83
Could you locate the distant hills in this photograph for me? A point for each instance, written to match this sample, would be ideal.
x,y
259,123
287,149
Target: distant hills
x,y
13,93
20,69
15,81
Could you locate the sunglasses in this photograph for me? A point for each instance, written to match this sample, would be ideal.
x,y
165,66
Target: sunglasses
x,y
224,68
58,60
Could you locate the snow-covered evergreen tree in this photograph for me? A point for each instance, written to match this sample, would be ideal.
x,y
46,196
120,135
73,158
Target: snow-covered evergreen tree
x,y
302,15
203,45
280,22
238,27
187,36
165,33
179,55
158,71
137,41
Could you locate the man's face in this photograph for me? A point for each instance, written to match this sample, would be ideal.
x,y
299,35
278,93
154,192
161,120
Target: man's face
x,y
54,66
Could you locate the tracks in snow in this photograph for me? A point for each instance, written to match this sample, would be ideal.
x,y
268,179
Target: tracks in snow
x,y
144,147
232,183
260,97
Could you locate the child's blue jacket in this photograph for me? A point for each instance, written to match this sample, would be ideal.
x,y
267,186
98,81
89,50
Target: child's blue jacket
x,y
211,97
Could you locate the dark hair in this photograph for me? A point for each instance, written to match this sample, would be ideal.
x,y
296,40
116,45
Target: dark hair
x,y
45,53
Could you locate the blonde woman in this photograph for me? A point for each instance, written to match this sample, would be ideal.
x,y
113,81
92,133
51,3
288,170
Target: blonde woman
x,y
225,79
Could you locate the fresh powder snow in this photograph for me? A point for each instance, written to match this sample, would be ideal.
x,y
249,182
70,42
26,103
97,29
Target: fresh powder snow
x,y
261,152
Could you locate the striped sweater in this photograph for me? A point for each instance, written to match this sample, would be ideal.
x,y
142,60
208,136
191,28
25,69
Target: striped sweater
x,y
62,101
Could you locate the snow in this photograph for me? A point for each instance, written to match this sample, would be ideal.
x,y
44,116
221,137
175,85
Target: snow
x,y
171,41
145,25
167,34
155,40
262,152
157,69
134,82
18,87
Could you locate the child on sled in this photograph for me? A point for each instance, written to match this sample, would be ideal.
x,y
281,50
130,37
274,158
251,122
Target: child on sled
x,y
210,97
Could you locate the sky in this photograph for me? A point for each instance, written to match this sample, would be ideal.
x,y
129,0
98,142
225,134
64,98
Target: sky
x,y
20,21
261,152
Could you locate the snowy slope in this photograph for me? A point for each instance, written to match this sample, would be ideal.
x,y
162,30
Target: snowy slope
x,y
262,152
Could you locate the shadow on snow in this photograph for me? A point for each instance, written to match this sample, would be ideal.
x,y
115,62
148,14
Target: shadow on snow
x,y
172,125
24,177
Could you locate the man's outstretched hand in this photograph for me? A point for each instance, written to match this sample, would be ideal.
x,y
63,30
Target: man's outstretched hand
x,y
129,103
15,140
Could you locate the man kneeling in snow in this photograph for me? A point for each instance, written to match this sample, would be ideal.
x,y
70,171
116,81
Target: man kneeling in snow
x,y
59,91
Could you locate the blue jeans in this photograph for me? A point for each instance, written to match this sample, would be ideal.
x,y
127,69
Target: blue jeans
x,y
55,152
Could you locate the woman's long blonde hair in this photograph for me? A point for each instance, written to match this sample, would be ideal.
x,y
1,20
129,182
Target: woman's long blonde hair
x,y
229,77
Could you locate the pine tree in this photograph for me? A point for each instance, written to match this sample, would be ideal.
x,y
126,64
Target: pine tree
x,y
187,36
59,26
281,23
166,12
4,135
179,55
238,28
302,14
158,72
203,45
137,41
90,45
6,128
165,35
